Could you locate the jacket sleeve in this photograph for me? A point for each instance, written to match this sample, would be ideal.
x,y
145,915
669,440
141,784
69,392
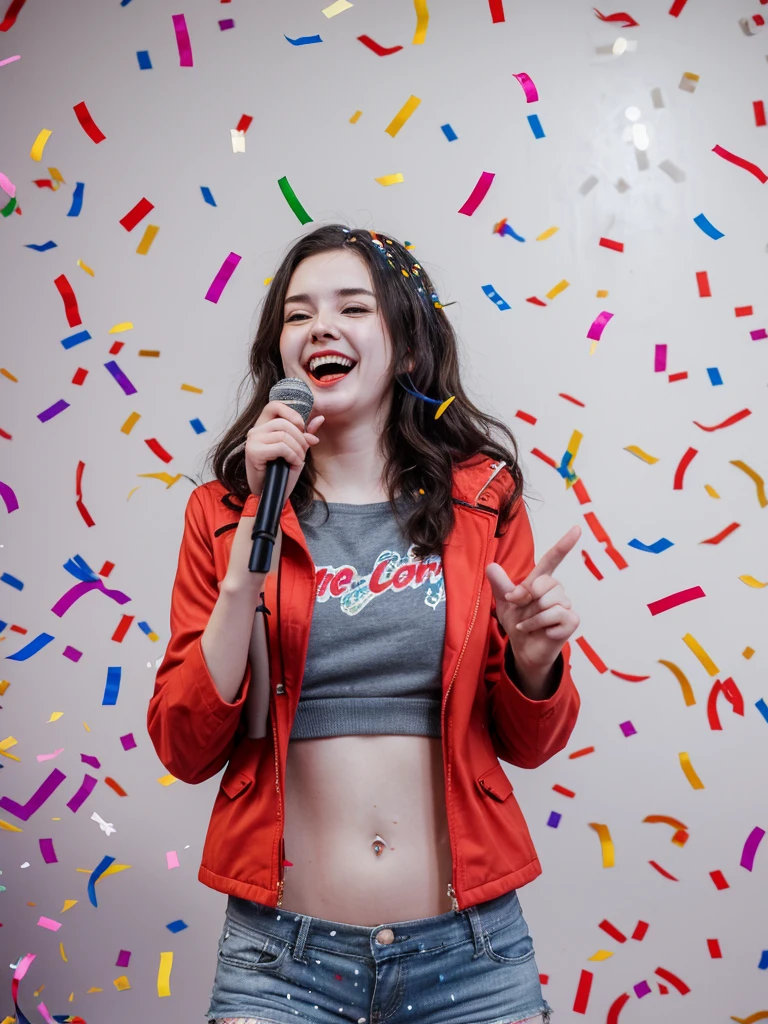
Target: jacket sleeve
x,y
191,726
525,732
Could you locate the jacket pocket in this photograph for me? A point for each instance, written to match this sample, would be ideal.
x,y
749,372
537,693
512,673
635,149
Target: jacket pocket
x,y
236,784
495,783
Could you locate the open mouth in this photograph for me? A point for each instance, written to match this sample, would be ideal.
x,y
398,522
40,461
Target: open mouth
x,y
330,372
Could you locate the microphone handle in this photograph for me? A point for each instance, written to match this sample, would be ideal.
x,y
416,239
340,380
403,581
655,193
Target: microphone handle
x,y
267,520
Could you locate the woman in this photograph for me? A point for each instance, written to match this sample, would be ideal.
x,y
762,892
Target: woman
x,y
368,839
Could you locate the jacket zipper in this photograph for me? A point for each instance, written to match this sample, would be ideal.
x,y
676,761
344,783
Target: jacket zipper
x,y
280,808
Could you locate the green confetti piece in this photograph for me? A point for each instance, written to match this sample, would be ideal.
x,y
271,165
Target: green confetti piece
x,y
293,202
8,209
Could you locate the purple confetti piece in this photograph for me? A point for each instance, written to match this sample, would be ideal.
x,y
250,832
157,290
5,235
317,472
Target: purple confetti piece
x,y
628,729
758,335
72,653
128,741
86,788
642,989
8,495
754,839
120,377
226,270
67,599
182,40
598,325
554,819
124,958
89,759
48,852
52,410
226,23
660,359
38,798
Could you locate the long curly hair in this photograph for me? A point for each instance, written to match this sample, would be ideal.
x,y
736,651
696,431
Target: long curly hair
x,y
419,451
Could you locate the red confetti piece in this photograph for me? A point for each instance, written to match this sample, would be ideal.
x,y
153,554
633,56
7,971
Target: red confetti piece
x,y
115,786
70,302
722,535
89,126
741,162
138,213
158,449
115,347
676,9
661,871
43,183
581,753
702,280
608,243
614,932
244,123
732,694
580,490
582,992
592,656
87,517
743,311
681,837
106,569
664,604
525,416
543,979
122,628
544,458
627,19
682,375
759,108
719,879
11,14
641,930
601,535
80,374
616,1007
497,11
589,563
380,51
534,301
714,949
628,678
682,465
563,791
478,194
673,980
570,398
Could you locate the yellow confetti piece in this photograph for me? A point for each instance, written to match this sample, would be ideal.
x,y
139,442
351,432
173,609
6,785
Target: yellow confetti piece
x,y
600,955
606,843
9,375
747,652
422,21
337,8
68,904
685,686
4,684
443,407
390,179
165,478
85,267
557,289
7,827
760,1015
711,491
690,774
601,293
402,116
164,974
62,953
547,234
153,353
701,654
55,716
121,984
147,239
690,76
132,492
191,387
634,450
7,743
113,869
759,482
56,175
752,582
356,117
126,325
131,422
167,780
39,144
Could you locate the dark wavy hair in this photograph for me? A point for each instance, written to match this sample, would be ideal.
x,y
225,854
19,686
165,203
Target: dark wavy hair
x,y
419,452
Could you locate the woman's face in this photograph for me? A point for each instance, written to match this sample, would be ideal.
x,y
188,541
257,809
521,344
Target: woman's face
x,y
317,318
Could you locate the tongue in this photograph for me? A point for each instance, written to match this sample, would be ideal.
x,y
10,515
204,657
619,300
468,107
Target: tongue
x,y
331,378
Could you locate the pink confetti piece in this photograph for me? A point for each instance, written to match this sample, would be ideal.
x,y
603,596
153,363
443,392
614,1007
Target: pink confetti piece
x,y
182,40
754,839
9,59
530,90
172,859
7,185
219,282
660,359
598,325
46,922
479,192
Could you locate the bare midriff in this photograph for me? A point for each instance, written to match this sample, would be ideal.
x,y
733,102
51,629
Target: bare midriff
x,y
366,829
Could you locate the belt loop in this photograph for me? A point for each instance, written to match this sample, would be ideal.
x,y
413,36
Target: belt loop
x,y
477,930
298,953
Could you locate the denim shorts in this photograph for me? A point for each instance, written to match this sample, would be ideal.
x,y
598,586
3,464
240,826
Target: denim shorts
x,y
473,966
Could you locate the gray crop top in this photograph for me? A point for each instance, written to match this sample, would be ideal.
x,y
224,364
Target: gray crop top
x,y
374,660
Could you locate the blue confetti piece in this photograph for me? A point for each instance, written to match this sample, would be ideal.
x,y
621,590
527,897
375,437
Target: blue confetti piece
x,y
207,195
11,581
535,123
554,819
41,640
176,926
95,876
495,297
124,3
77,200
112,688
303,40
197,426
144,627
449,133
762,707
2,626
708,228
42,248
145,64
656,548
75,339
763,965
120,377
507,230
714,375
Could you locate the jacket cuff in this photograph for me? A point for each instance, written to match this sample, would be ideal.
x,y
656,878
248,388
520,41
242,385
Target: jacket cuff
x,y
528,704
222,713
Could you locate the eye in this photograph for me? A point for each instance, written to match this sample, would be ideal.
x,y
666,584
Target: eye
x,y
349,309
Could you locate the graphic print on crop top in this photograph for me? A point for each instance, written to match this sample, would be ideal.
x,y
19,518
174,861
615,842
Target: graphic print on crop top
x,y
390,573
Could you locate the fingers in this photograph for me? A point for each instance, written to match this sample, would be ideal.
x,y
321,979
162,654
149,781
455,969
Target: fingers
x,y
552,558
554,616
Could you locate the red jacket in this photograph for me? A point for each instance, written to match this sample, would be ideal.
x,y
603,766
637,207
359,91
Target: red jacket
x,y
484,715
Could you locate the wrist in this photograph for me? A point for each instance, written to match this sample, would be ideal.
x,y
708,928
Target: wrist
x,y
536,681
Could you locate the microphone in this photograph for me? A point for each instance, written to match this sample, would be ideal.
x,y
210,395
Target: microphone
x,y
298,394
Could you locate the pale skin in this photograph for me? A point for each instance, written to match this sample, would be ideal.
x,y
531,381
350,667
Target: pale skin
x,y
365,821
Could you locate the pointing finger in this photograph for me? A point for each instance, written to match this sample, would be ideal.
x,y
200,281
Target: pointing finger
x,y
552,558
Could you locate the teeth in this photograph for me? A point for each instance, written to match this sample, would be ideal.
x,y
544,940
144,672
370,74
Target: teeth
x,y
320,360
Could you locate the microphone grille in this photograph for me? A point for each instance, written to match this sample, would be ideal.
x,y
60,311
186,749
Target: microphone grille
x,y
296,393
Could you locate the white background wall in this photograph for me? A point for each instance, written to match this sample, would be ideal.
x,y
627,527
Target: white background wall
x,y
168,133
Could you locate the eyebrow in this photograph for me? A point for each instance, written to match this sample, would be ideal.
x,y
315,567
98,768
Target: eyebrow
x,y
340,292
